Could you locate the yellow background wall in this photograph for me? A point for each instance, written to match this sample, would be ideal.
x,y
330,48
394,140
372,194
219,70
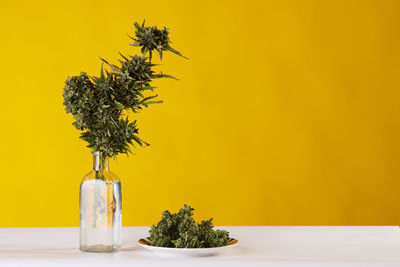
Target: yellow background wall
x,y
287,113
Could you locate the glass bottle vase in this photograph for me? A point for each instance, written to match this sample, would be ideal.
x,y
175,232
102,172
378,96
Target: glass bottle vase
x,y
100,208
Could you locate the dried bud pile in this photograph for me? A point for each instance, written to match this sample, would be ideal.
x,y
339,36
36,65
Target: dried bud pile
x,y
179,230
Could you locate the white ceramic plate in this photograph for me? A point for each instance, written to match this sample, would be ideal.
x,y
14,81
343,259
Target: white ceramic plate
x,y
194,252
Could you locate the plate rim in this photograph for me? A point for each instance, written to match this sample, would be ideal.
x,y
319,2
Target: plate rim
x,y
144,242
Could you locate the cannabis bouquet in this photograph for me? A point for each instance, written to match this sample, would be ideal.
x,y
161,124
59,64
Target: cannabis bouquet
x,y
100,104
179,230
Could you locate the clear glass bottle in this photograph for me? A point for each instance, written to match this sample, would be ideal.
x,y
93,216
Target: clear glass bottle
x,y
100,208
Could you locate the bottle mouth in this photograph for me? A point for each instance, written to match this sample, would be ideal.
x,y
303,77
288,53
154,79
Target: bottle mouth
x,y
95,153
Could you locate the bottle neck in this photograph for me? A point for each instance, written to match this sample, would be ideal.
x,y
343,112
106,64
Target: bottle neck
x,y
100,161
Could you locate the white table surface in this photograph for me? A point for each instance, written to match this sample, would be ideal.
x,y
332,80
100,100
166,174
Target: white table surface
x,y
258,246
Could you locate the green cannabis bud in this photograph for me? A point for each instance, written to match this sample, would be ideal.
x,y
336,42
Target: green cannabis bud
x,y
179,230
152,38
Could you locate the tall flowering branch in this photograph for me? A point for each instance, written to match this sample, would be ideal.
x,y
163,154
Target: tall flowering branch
x,y
98,103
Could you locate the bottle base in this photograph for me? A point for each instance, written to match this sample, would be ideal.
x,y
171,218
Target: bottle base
x,y
100,249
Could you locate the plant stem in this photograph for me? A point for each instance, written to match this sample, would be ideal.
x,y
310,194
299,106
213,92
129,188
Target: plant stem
x,y
100,176
102,165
